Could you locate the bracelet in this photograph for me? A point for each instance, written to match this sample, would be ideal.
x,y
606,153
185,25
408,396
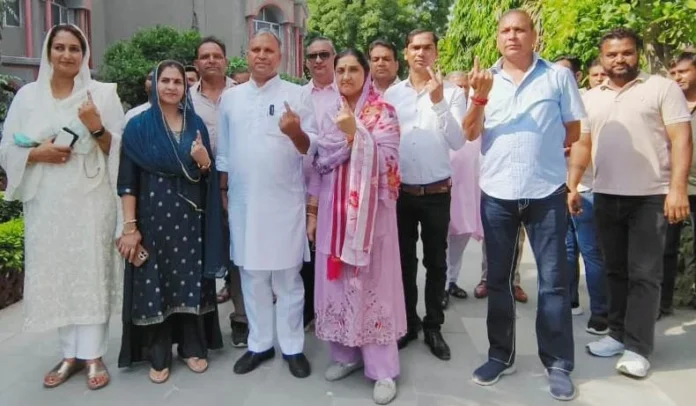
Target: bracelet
x,y
312,210
130,221
133,231
311,215
479,101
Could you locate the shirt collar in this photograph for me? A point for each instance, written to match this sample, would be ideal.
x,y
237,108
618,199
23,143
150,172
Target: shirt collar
x,y
536,59
641,78
229,82
269,84
314,86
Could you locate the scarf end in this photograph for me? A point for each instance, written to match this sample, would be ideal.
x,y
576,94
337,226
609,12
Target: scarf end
x,y
334,268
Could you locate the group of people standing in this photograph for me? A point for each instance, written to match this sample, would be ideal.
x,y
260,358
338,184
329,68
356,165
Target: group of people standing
x,y
311,200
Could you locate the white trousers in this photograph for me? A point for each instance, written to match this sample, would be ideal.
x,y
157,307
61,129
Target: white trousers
x,y
85,342
258,288
456,244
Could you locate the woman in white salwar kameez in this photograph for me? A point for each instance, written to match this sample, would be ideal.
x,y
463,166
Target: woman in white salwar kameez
x,y
72,268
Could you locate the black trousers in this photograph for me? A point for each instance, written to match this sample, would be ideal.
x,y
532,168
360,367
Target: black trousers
x,y
307,273
631,231
671,259
432,213
186,330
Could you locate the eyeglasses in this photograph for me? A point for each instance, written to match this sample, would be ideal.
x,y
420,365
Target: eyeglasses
x,y
323,55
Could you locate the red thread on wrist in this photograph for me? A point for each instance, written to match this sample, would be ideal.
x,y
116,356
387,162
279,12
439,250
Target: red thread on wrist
x,y
479,101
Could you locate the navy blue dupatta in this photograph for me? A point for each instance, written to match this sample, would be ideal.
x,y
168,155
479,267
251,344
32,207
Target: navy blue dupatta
x,y
151,145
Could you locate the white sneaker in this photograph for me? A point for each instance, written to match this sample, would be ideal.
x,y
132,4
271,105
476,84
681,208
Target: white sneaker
x,y
577,311
385,391
633,365
337,370
606,347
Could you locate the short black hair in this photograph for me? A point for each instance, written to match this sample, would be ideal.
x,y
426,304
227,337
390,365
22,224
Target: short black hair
x,y
622,33
574,61
362,60
68,28
211,40
382,43
419,31
686,56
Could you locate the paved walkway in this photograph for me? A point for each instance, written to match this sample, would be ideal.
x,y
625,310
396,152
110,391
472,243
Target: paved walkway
x,y
425,381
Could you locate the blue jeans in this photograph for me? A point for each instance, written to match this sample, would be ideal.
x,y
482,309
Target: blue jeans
x,y
582,239
546,223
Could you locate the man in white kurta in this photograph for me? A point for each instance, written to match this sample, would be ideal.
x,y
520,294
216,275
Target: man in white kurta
x,y
261,167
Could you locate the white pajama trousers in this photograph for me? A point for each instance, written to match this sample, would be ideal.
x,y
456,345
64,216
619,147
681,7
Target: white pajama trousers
x,y
84,341
456,244
258,288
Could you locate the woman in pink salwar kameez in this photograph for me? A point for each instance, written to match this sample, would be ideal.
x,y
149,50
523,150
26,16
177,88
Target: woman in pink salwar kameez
x,y
359,298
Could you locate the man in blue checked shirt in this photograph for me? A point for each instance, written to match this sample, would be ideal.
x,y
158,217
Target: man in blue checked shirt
x,y
528,111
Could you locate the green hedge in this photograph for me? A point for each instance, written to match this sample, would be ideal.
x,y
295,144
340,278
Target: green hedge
x,y
9,210
12,244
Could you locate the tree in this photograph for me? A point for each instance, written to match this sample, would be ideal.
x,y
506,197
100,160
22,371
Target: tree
x,y
571,27
357,23
128,62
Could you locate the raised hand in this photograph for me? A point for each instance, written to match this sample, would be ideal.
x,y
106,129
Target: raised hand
x,y
481,80
198,151
89,114
435,86
345,120
290,122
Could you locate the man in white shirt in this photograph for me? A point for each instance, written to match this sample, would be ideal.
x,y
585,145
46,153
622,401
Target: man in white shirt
x,y
430,112
265,128
142,107
384,65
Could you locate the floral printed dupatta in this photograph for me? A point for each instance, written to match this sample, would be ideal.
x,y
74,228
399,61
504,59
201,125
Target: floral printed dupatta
x,y
357,184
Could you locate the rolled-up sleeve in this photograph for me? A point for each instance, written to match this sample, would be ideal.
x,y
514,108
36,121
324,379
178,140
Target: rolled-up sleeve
x,y
308,120
223,134
572,107
449,119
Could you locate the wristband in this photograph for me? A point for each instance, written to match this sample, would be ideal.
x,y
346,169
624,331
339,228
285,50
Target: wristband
x,y
479,101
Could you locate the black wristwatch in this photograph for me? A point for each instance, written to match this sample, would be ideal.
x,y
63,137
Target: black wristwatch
x,y
99,132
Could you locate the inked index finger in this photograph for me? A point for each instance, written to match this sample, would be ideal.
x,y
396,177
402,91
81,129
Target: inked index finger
x,y
287,107
477,64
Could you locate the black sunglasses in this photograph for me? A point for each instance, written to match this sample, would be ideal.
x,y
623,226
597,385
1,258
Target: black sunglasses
x,y
323,55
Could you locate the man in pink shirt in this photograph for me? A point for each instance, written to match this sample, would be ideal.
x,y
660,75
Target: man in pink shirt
x,y
324,94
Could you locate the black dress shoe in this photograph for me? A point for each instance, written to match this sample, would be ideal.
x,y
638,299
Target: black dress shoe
x,y
299,366
251,360
437,344
410,336
456,291
445,300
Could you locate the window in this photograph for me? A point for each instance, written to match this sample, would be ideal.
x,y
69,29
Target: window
x,y
61,13
268,19
12,15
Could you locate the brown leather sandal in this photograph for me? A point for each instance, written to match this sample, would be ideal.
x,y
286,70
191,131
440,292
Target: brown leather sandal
x,y
156,379
62,372
191,363
96,371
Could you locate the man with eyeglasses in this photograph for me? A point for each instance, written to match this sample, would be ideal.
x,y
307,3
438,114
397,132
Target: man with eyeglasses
x,y
384,65
211,61
323,94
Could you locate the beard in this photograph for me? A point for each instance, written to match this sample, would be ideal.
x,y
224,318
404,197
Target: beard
x,y
628,75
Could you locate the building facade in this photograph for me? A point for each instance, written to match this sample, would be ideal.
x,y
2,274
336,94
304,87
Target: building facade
x,y
108,21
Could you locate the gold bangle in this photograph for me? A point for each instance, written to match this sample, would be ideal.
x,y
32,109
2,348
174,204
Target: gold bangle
x,y
130,221
311,215
312,210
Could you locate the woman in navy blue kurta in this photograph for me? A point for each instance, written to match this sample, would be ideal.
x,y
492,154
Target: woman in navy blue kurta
x,y
177,213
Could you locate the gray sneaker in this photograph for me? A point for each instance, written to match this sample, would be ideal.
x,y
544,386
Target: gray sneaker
x,y
337,370
384,392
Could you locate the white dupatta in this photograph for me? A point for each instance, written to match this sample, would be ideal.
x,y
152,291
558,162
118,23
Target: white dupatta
x,y
36,114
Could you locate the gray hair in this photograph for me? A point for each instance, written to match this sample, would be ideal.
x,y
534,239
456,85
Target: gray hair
x,y
322,39
266,31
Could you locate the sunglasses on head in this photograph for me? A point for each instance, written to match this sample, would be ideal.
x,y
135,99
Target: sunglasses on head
x,y
323,55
